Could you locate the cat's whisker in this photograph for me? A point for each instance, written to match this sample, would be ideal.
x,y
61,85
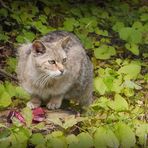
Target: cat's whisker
x,y
40,80
45,82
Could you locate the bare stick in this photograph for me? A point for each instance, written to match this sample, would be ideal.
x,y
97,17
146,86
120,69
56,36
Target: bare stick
x,y
4,5
8,75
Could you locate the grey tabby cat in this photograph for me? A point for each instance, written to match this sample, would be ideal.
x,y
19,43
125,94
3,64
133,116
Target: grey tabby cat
x,y
54,68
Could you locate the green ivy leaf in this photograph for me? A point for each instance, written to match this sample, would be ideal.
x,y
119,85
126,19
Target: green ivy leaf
x,y
100,85
125,135
41,146
71,121
101,32
104,15
128,92
27,114
43,18
132,85
131,70
10,89
133,48
57,142
71,139
16,17
104,52
5,133
85,140
42,28
2,89
47,10
3,37
20,39
141,133
3,12
86,41
19,137
25,17
144,17
56,121
57,134
5,143
19,92
101,72
11,64
108,81
5,99
117,87
28,35
70,23
118,26
89,23
126,34
119,103
76,12
25,36
56,139
101,102
104,138
39,126
37,139
137,25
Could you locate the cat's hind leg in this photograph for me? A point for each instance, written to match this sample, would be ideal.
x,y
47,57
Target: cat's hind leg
x,y
86,98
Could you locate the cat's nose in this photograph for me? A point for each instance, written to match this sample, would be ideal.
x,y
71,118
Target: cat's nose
x,y
62,71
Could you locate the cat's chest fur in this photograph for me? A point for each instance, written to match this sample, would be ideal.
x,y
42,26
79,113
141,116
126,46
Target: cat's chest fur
x,y
52,88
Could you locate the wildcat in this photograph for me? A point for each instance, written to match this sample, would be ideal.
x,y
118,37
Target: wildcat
x,y
54,68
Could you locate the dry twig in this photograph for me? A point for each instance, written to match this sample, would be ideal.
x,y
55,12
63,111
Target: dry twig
x,y
8,75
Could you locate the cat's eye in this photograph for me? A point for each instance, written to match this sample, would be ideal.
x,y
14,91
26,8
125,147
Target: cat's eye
x,y
64,60
51,61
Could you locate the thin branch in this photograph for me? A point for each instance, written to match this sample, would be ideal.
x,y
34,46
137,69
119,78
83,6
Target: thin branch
x,y
8,75
2,47
4,5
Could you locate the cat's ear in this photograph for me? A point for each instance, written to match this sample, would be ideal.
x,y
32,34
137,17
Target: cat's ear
x,y
38,47
65,41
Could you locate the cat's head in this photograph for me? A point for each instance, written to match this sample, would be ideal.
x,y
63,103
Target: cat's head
x,y
50,58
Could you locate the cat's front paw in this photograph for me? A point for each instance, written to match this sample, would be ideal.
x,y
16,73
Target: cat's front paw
x,y
34,103
54,104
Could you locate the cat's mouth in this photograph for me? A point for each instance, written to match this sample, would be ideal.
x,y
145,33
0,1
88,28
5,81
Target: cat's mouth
x,y
56,74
